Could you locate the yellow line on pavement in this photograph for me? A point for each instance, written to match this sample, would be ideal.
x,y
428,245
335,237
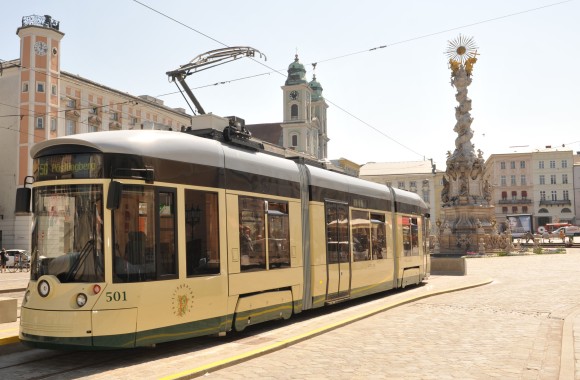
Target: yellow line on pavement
x,y
227,362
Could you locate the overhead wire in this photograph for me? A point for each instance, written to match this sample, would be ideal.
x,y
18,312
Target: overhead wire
x,y
354,53
49,74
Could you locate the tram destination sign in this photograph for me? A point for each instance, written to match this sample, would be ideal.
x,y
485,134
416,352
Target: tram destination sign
x,y
68,166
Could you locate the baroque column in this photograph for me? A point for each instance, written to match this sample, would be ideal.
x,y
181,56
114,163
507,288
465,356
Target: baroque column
x,y
466,210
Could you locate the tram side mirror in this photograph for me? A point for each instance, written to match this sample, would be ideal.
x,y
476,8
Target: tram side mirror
x,y
23,195
114,195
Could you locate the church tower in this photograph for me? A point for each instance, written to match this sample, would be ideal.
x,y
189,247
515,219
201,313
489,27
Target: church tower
x,y
304,124
318,121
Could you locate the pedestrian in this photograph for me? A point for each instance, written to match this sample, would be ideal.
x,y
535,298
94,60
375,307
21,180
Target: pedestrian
x,y
3,260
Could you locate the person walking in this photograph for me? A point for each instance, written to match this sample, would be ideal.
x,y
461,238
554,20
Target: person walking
x,y
3,260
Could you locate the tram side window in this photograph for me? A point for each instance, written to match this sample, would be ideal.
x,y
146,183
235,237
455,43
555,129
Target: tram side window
x,y
410,236
378,236
278,235
361,232
202,237
167,230
144,230
252,213
337,241
264,234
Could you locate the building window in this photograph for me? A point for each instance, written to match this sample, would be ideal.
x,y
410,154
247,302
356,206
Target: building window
x,y
542,195
553,179
503,180
564,164
522,164
504,210
502,165
40,122
294,112
512,165
542,180
71,103
524,194
515,209
401,185
70,127
24,86
552,164
513,180
39,86
53,124
504,195
523,179
524,209
565,179
113,116
540,164
554,195
294,140
514,195
565,195
413,184
53,89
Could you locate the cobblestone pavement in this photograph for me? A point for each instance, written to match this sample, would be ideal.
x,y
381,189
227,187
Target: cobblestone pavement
x,y
510,329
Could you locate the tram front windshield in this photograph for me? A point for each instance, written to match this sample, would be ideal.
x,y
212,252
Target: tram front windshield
x,y
67,233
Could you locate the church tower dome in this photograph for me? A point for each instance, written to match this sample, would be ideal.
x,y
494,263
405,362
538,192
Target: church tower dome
x,y
316,89
296,73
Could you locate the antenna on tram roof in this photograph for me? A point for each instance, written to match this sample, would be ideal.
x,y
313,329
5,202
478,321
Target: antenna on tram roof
x,y
205,61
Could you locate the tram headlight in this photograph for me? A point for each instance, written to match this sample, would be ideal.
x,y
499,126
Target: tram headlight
x,y
81,299
43,288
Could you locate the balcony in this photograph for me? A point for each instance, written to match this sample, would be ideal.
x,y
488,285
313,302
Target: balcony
x,y
559,202
515,201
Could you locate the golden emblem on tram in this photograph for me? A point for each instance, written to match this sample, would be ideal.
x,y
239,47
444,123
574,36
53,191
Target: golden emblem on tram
x,y
182,300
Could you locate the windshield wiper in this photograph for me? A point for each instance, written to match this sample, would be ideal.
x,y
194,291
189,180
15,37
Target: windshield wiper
x,y
80,260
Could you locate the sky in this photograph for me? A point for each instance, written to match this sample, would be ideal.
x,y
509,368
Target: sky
x,y
381,63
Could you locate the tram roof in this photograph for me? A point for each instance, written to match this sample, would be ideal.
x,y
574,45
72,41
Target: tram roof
x,y
178,146
332,180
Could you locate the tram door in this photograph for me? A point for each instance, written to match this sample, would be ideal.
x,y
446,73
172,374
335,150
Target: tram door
x,y
337,251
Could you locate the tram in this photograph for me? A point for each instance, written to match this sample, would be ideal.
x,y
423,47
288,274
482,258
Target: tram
x,y
142,237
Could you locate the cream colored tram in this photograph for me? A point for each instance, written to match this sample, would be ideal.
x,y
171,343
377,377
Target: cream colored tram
x,y
143,237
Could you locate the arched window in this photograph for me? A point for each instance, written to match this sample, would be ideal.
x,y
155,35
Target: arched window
x,y
294,112
566,210
542,211
294,140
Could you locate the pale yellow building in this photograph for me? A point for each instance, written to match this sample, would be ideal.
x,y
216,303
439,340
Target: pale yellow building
x,y
538,182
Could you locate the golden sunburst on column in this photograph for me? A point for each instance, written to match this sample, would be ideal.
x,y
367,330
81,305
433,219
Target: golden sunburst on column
x,y
461,49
